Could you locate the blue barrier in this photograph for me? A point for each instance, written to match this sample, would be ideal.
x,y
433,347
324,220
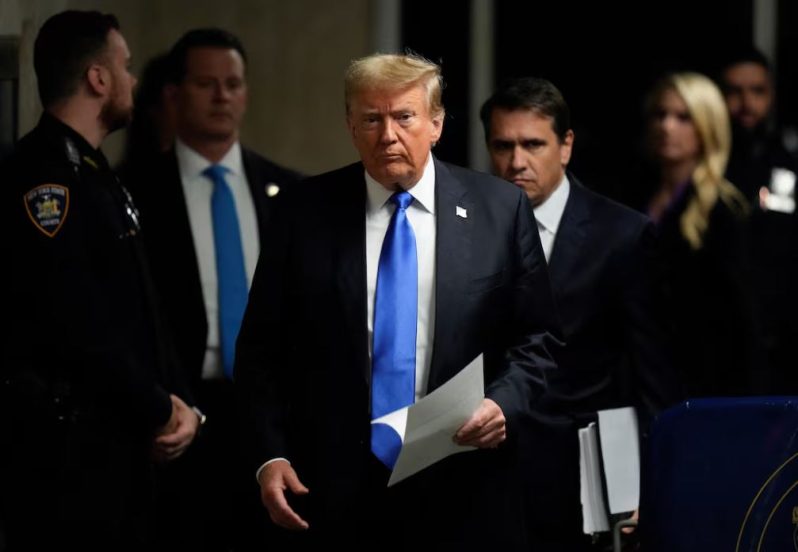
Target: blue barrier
x,y
722,475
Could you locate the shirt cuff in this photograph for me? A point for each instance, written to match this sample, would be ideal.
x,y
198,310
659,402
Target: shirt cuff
x,y
260,469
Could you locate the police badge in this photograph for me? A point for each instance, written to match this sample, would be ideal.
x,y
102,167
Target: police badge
x,y
47,206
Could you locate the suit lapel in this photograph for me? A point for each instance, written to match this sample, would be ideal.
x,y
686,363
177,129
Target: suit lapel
x,y
350,259
174,206
571,235
453,250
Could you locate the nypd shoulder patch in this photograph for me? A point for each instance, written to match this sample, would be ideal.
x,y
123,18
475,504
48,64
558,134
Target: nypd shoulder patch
x,y
47,206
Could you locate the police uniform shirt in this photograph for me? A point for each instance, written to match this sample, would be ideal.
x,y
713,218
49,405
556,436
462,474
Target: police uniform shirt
x,y
78,289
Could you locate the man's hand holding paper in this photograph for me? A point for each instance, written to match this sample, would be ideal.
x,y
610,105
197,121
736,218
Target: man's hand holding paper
x,y
447,421
485,429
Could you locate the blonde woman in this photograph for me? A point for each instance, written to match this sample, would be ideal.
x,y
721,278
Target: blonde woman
x,y
702,227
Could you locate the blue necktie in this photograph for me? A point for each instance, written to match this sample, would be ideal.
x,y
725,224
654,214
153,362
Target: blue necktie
x,y
230,271
393,368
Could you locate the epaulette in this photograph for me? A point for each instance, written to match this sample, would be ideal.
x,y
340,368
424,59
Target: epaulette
x,y
72,154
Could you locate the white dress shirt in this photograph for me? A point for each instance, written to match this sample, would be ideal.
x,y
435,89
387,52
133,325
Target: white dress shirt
x,y
549,214
197,190
421,215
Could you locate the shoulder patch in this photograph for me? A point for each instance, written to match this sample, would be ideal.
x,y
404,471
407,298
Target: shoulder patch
x,y
47,206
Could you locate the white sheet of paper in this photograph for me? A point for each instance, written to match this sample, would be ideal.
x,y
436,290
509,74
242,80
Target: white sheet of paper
x,y
594,513
396,419
432,422
620,450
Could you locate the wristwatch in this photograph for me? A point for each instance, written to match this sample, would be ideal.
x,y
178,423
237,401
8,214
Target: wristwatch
x,y
202,417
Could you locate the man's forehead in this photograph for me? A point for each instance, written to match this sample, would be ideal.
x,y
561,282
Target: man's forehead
x,y
207,58
379,98
746,70
522,119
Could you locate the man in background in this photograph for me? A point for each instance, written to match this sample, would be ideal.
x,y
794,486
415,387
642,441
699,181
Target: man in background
x,y
205,205
601,260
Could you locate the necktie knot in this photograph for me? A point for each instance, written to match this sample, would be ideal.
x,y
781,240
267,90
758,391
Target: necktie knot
x,y
216,173
402,200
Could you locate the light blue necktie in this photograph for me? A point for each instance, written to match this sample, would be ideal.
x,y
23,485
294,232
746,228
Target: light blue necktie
x,y
230,271
393,368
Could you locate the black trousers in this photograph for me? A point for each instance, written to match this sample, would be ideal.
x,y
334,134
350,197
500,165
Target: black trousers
x,y
76,479
426,511
208,500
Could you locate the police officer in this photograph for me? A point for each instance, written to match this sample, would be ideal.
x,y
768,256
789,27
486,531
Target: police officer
x,y
89,396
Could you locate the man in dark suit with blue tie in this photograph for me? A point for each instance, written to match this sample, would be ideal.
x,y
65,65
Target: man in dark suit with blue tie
x,y
204,205
601,259
379,282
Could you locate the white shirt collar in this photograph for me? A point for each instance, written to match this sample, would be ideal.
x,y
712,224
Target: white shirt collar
x,y
549,213
423,192
192,163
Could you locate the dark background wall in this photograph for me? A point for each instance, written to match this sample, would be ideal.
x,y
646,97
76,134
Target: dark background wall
x,y
440,33
602,59
787,57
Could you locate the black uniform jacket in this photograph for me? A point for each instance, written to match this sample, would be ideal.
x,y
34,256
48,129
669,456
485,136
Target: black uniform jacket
x,y
85,362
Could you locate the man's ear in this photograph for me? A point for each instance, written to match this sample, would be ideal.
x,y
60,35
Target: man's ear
x,y
566,148
98,79
437,125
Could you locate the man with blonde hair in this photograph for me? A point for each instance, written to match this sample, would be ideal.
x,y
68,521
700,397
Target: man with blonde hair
x,y
381,281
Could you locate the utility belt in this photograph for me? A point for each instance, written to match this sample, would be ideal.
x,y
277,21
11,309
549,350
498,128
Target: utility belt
x,y
50,423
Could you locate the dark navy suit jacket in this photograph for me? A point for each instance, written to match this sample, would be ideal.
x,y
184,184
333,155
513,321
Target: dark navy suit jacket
x,y
303,360
608,289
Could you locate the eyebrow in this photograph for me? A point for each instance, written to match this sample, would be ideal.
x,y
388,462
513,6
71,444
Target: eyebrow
x,y
523,141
